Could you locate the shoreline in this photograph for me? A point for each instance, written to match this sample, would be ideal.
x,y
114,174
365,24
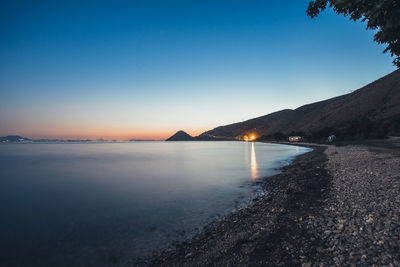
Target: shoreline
x,y
330,206
274,206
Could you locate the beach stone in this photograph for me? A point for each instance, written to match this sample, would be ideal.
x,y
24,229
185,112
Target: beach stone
x,y
333,206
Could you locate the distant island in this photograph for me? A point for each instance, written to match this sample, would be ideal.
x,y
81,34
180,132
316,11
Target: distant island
x,y
21,139
372,111
14,138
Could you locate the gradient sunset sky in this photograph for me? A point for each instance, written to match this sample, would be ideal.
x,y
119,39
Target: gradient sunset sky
x,y
145,69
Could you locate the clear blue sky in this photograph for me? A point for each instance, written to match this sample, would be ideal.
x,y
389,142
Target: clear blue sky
x,y
143,69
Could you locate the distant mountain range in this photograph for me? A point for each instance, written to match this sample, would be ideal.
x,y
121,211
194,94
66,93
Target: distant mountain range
x,y
372,111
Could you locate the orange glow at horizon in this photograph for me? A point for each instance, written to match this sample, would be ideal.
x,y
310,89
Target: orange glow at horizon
x,y
106,134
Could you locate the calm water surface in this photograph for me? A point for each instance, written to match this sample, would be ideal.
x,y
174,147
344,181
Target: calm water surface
x,y
100,203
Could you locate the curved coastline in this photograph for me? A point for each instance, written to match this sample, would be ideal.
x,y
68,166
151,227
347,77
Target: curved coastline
x,y
334,205
220,238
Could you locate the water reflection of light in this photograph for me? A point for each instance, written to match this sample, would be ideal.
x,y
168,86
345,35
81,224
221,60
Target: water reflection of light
x,y
253,163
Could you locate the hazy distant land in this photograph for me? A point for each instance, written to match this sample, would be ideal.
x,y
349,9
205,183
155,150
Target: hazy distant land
x,y
21,139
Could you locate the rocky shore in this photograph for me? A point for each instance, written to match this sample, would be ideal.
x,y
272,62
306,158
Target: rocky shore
x,y
331,206
360,222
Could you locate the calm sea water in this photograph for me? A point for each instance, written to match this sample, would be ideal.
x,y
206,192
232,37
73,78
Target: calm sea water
x,y
100,203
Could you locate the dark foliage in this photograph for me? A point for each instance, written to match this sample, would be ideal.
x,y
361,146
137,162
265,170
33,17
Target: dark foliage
x,y
361,128
322,134
380,15
299,133
395,126
278,136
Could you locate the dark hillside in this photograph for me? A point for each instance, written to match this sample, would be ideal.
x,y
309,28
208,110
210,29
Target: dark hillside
x,y
369,112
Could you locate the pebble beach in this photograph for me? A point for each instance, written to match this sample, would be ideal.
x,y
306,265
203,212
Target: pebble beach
x,y
332,206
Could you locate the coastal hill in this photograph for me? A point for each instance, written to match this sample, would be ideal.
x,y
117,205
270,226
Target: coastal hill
x,y
14,138
180,136
372,111
183,136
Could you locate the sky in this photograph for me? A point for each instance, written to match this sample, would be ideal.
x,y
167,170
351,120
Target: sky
x,y
145,69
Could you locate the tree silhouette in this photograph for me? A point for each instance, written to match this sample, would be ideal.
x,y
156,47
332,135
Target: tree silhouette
x,y
380,15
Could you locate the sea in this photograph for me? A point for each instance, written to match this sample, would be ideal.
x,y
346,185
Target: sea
x,y
107,204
